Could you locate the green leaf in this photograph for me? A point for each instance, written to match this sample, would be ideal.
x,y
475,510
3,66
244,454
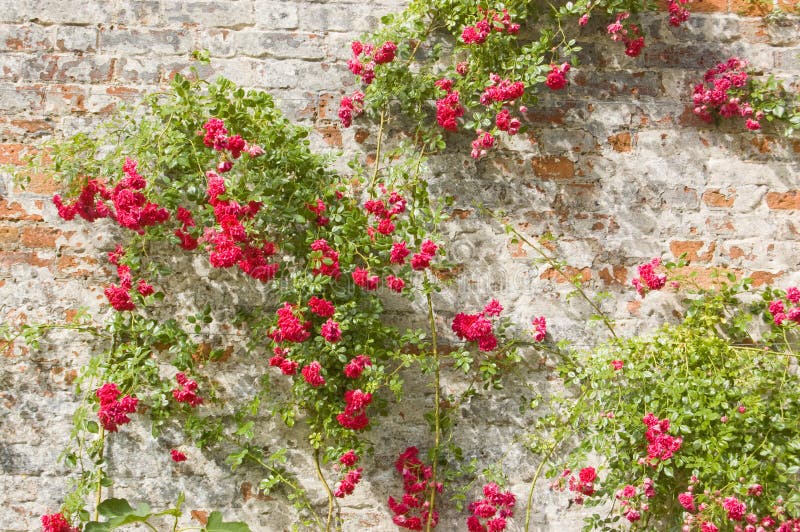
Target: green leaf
x,y
114,508
94,526
216,524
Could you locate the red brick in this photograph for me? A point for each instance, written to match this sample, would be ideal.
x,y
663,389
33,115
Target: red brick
x,y
12,258
553,167
709,6
715,198
331,134
621,142
784,200
328,108
40,237
12,153
763,144
689,247
759,9
125,93
735,252
617,273
570,273
14,211
9,235
761,278
361,135
79,266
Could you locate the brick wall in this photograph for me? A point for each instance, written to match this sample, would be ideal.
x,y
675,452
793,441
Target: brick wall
x,y
616,167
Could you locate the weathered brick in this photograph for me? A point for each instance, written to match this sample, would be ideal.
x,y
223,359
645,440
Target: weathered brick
x,y
147,41
553,167
569,273
21,127
79,266
274,14
691,249
134,70
760,9
706,277
615,274
715,198
331,134
20,98
76,38
689,56
210,14
9,259
279,45
218,41
605,85
357,17
77,12
761,278
787,59
621,142
9,235
12,153
40,237
38,182
27,37
63,99
784,200
14,211
710,6
139,12
275,74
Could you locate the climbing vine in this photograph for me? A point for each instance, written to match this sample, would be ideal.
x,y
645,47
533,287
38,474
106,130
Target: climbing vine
x,y
211,174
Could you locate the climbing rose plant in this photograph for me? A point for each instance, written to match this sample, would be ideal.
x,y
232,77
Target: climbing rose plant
x,y
213,174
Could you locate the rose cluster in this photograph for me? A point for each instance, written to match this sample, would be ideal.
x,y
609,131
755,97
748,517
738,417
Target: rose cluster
x,y
722,94
411,511
448,108
351,106
627,497
629,34
539,328
648,278
385,213
557,78
582,485
661,445
130,206
119,296
231,244
351,478
113,411
186,392
56,523
789,310
496,507
477,327
354,416
494,21
216,137
366,56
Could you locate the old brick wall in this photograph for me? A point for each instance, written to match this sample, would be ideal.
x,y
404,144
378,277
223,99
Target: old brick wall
x,y
616,168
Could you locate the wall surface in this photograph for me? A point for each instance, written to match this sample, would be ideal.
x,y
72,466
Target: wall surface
x,y
616,168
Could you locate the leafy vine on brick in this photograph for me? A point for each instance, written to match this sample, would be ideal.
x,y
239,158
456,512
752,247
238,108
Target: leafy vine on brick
x,y
211,178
